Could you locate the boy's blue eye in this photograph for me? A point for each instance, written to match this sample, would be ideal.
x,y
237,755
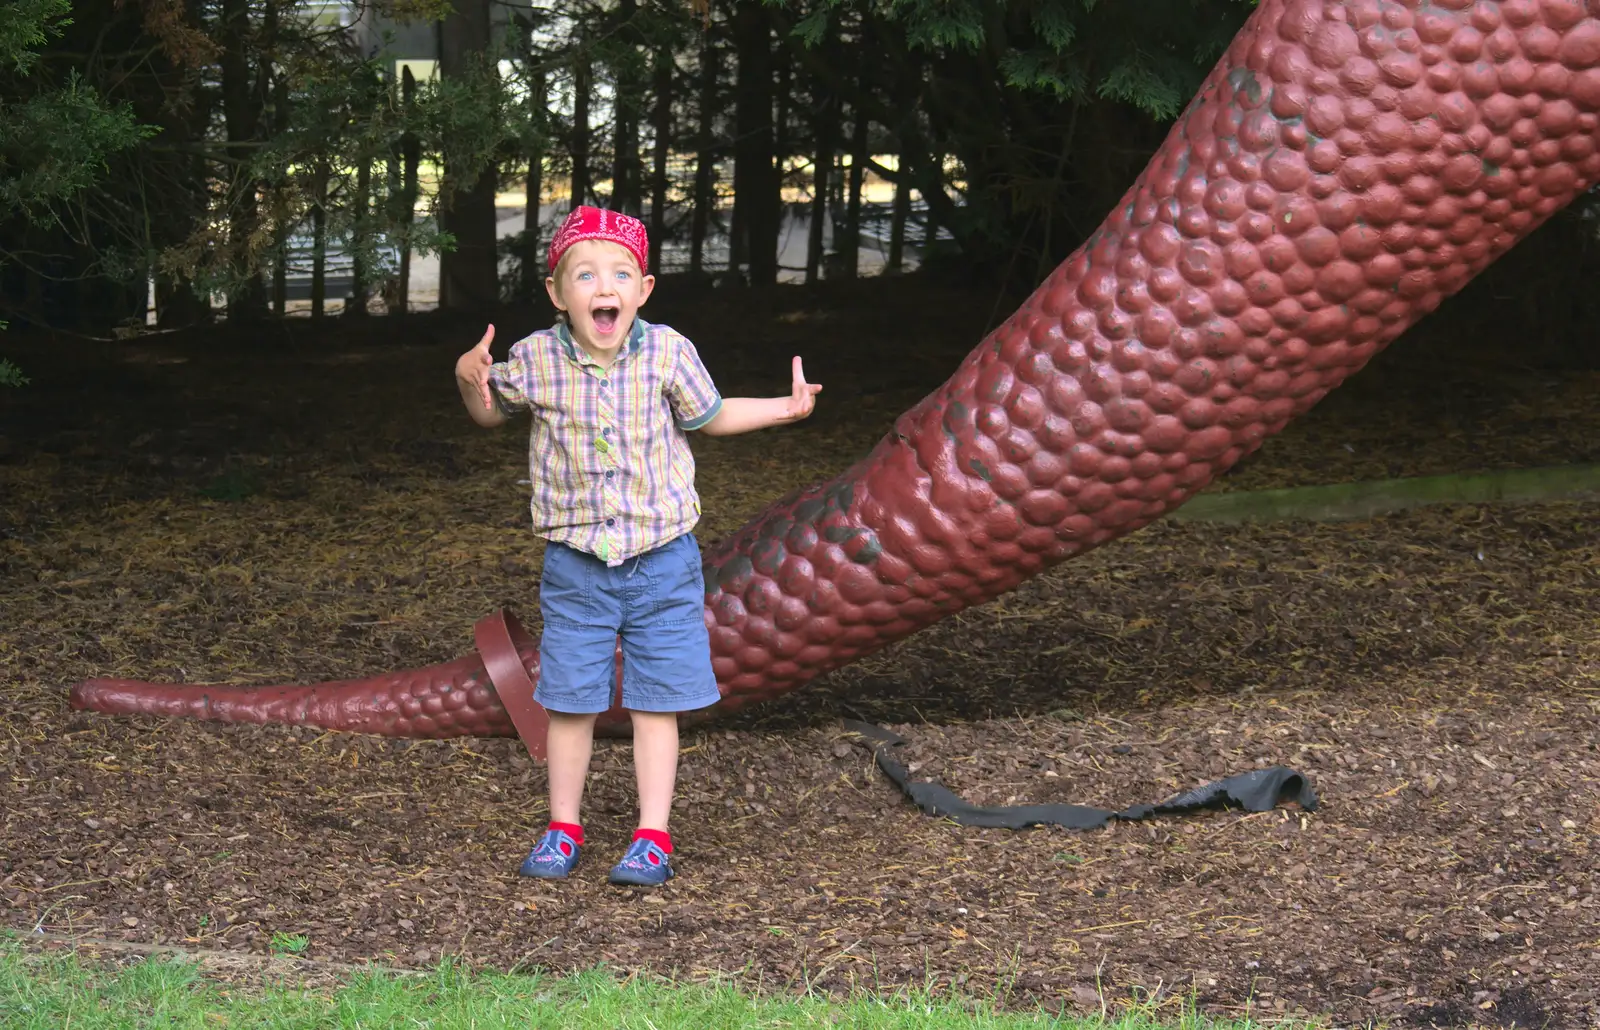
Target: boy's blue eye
x,y
622,275
584,275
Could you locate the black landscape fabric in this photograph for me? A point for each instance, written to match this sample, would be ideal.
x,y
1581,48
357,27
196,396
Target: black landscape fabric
x,y
1257,791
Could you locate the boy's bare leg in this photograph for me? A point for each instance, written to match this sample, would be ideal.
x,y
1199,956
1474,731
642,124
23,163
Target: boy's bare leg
x,y
655,765
569,742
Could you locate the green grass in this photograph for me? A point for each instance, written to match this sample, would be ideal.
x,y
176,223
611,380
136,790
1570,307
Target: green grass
x,y
291,943
60,991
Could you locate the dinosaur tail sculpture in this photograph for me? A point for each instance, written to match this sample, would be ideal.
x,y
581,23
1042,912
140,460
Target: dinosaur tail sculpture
x,y
1344,168
451,699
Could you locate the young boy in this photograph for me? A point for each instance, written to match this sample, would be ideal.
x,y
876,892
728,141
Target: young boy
x,y
612,400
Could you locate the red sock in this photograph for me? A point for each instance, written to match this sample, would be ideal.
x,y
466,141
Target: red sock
x,y
660,838
572,830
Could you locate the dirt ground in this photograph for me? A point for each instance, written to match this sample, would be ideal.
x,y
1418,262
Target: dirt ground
x,y
294,505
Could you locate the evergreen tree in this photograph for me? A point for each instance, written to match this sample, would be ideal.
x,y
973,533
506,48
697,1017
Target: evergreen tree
x,y
54,136
204,142
1046,108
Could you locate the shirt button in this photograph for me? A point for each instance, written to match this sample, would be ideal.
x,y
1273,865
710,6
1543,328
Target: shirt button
x,y
606,431
611,522
610,473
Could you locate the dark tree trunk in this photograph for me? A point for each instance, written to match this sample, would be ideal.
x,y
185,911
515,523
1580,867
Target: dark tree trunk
x,y
850,247
578,147
177,302
280,274
177,305
356,306
533,192
242,102
319,241
756,201
661,127
930,225
705,152
625,166
403,162
838,189
469,275
897,226
743,191
280,250
825,129
909,85
781,144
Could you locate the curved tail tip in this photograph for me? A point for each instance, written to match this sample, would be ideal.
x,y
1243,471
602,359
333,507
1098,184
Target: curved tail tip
x,y
83,695
112,696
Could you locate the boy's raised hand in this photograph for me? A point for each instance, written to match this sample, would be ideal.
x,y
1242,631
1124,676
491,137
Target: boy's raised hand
x,y
803,397
472,367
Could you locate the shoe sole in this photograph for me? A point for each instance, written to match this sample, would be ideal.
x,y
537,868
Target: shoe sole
x,y
544,876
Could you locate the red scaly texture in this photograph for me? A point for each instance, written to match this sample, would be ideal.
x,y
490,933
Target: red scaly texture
x,y
1345,167
452,699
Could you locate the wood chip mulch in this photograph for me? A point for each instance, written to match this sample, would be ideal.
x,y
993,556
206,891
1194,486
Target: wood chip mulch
x,y
254,506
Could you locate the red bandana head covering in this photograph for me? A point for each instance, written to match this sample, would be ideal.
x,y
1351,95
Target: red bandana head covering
x,y
593,223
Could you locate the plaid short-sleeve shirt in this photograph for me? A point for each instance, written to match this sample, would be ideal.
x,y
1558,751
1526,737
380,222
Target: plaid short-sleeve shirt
x,y
608,450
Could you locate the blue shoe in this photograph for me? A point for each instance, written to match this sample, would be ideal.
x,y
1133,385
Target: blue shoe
x,y
644,865
552,858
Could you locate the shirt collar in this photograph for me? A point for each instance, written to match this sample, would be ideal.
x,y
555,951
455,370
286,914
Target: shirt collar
x,y
577,354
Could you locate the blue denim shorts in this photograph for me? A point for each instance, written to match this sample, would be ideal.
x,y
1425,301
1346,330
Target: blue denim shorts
x,y
656,601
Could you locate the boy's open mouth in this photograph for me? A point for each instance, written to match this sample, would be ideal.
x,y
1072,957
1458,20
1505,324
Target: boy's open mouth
x,y
605,319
